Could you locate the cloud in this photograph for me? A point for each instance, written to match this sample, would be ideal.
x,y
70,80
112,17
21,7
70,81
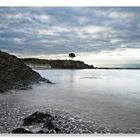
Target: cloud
x,y
115,40
95,29
14,16
121,15
44,17
40,31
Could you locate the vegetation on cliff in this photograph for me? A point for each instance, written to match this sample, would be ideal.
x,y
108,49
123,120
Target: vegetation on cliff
x,y
60,64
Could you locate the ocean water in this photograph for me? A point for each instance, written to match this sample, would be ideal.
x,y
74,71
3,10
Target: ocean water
x,y
86,100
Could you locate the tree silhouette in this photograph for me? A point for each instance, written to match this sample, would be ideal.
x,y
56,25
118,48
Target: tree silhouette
x,y
72,55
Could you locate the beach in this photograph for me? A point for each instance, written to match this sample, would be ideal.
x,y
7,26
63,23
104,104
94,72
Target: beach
x,y
86,101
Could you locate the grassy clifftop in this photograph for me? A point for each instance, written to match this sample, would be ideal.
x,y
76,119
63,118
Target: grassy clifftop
x,y
62,64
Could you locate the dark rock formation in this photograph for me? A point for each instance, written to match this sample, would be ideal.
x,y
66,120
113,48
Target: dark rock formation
x,y
21,131
14,74
36,118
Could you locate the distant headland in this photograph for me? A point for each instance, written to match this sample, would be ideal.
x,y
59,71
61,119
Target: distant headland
x,y
56,64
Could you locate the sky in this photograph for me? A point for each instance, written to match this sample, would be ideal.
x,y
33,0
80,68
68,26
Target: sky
x,y
101,36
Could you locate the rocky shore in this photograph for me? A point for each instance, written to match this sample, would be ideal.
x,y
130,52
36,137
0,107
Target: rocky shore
x,y
48,123
14,74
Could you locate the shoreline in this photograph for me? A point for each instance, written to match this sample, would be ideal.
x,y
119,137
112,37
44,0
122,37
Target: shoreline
x,y
40,68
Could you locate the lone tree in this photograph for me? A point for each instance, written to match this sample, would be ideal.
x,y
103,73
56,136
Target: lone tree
x,y
72,55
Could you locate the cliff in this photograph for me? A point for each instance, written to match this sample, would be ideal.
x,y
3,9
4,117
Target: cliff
x,y
58,64
14,74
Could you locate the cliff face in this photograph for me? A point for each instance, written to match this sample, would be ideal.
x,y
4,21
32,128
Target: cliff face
x,y
14,74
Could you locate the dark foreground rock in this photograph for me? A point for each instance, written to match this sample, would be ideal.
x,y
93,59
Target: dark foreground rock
x,y
21,131
36,118
14,74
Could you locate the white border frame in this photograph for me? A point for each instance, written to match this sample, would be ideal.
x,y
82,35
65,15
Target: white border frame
x,y
81,3
70,3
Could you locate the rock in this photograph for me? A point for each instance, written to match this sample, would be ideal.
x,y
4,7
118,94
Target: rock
x,y
21,131
49,125
14,74
58,130
46,80
37,117
42,132
46,120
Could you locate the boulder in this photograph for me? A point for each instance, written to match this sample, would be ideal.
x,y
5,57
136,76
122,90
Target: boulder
x,y
46,119
37,117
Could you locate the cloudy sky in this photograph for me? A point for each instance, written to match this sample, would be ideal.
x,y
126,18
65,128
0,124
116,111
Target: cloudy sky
x,y
108,37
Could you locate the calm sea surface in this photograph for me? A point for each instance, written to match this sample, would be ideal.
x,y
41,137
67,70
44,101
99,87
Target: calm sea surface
x,y
107,98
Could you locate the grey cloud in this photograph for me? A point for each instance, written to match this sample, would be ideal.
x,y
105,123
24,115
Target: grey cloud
x,y
27,24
